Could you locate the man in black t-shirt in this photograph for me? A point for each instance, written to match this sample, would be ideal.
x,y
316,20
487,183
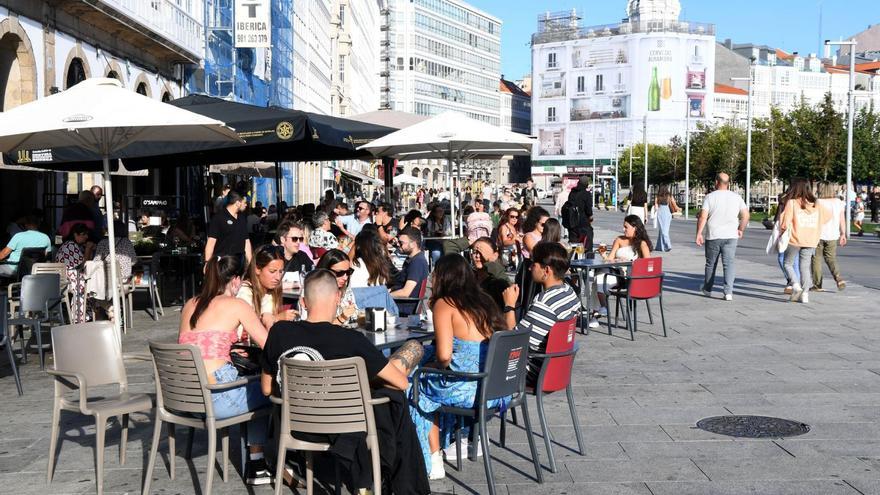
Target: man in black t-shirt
x,y
317,339
290,235
415,269
228,232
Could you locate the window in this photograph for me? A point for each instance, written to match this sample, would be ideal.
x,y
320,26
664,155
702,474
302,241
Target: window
x,y
342,68
580,84
580,142
342,15
600,83
551,114
551,60
399,63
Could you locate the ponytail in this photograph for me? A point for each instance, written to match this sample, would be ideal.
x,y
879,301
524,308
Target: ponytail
x,y
219,271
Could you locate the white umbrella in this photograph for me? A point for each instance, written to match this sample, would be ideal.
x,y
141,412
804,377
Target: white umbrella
x,y
408,180
105,121
450,135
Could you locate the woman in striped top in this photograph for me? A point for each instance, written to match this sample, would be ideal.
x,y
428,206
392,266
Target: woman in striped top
x,y
556,302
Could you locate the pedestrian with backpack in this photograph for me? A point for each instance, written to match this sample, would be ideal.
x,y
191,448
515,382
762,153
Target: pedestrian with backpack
x,y
577,214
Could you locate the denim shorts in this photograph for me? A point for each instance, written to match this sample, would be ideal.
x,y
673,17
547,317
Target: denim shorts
x,y
239,400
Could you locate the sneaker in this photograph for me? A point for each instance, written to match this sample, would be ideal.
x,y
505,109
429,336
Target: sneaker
x,y
449,452
728,297
707,293
438,472
257,472
787,290
816,289
805,297
841,284
594,323
796,292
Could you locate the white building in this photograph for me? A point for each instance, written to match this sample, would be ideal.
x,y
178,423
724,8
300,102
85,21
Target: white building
x,y
355,40
312,54
437,56
142,44
597,89
783,80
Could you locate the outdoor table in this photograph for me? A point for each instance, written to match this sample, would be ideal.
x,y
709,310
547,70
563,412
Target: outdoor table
x,y
397,335
583,267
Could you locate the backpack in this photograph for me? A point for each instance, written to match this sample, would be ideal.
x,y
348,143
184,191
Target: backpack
x,y
571,215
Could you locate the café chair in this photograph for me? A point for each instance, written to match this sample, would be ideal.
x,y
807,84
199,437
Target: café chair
x,y
504,375
88,355
643,283
183,397
557,362
61,270
325,398
6,341
39,306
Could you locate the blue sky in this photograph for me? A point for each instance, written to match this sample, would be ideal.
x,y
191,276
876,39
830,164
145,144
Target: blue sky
x,y
792,25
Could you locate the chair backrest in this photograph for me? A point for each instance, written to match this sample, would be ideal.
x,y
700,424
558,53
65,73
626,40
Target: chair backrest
x,y
180,379
36,290
29,257
505,364
91,349
59,268
646,288
318,252
557,373
326,396
4,318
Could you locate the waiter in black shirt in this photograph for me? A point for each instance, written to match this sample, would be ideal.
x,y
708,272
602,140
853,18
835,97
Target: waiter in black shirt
x,y
290,235
228,233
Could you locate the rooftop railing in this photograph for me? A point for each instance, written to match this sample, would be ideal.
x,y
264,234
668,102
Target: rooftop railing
x,y
566,32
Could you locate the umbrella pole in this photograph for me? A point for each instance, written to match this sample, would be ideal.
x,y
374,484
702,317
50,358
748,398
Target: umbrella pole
x,y
111,242
278,188
451,193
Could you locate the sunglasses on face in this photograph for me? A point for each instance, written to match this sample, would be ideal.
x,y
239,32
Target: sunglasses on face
x,y
295,238
514,217
343,273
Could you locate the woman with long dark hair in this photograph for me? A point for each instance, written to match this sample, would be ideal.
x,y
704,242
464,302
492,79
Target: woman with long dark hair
x,y
638,202
509,235
262,288
438,225
802,219
209,321
75,251
634,243
371,263
533,228
664,206
464,318
553,232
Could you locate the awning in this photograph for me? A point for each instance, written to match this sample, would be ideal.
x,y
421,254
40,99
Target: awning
x,y
120,171
250,169
361,177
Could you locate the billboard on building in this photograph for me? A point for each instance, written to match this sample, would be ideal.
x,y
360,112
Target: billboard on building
x,y
672,74
253,23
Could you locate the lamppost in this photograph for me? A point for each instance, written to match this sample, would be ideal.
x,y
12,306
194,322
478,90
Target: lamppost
x,y
687,162
645,141
849,122
748,134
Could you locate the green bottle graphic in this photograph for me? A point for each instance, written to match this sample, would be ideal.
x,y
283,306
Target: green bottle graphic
x,y
654,93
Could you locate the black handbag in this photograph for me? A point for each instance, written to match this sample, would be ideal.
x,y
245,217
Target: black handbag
x,y
247,362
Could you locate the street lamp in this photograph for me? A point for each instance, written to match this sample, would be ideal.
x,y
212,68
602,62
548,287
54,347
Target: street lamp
x,y
849,128
748,134
645,140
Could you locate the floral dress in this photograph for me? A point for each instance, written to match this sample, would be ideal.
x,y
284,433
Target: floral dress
x,y
71,254
323,239
438,390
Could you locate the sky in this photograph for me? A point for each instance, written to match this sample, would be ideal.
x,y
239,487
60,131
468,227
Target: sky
x,y
792,25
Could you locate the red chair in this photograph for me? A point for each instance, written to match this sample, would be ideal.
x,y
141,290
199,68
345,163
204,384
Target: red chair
x,y
557,362
318,252
644,282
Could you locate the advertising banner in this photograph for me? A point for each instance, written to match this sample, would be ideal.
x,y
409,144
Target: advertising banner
x,y
253,23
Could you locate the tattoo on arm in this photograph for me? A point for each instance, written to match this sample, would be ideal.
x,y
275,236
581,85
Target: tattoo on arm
x,y
409,355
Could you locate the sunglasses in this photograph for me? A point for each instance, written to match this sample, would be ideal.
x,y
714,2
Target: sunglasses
x,y
343,273
514,216
295,239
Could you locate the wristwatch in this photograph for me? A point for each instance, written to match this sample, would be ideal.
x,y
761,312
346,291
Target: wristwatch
x,y
508,308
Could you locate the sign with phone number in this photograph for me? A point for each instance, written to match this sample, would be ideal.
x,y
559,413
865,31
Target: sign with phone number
x,y
253,24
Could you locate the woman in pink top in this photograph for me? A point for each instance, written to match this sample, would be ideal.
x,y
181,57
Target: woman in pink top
x,y
803,218
209,321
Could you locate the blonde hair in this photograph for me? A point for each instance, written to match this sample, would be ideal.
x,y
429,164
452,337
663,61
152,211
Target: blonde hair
x,y
827,190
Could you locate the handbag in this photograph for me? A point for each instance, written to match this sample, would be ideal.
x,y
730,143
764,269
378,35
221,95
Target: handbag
x,y
247,363
782,243
773,240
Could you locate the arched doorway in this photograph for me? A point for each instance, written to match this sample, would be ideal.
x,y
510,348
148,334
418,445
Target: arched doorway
x,y
18,69
166,97
76,73
114,75
142,89
435,182
415,172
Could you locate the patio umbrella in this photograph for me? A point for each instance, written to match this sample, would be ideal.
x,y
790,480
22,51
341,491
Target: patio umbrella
x,y
453,136
408,180
100,120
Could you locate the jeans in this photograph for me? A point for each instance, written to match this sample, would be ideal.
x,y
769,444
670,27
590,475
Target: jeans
x,y
239,400
664,221
797,267
725,249
828,251
436,250
8,270
804,254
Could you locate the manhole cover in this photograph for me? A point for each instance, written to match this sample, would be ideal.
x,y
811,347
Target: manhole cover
x,y
753,426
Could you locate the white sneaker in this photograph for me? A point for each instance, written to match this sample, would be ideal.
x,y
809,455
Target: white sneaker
x,y
449,452
796,291
438,472
805,297
728,297
707,293
594,323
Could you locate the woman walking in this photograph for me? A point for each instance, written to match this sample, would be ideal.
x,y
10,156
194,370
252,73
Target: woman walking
x,y
664,205
639,202
803,218
833,233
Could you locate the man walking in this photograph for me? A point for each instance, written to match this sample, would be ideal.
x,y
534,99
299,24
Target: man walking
x,y
875,203
529,194
725,216
227,232
577,214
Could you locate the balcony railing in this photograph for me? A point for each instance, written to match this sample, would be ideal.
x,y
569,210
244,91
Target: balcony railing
x,y
181,26
552,93
552,33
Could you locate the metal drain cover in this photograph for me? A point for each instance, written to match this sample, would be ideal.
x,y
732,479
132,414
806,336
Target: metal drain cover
x,y
753,426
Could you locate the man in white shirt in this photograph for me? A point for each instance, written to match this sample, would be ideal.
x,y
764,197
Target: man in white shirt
x,y
725,217
363,211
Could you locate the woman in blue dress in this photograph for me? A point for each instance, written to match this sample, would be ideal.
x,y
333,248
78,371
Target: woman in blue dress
x,y
464,318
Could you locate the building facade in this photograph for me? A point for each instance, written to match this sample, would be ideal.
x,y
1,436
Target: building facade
x,y
46,47
355,34
597,89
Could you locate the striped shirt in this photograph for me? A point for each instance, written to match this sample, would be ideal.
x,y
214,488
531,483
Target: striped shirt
x,y
558,303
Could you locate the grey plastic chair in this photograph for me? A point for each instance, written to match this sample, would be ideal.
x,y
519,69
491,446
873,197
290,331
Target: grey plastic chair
x,y
325,397
39,306
183,397
504,375
89,355
6,342
61,270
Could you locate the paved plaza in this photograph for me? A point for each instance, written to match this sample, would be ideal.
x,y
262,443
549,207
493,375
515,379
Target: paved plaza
x,y
638,404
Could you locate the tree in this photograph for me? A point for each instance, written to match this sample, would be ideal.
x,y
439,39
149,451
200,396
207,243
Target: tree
x,y
866,145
